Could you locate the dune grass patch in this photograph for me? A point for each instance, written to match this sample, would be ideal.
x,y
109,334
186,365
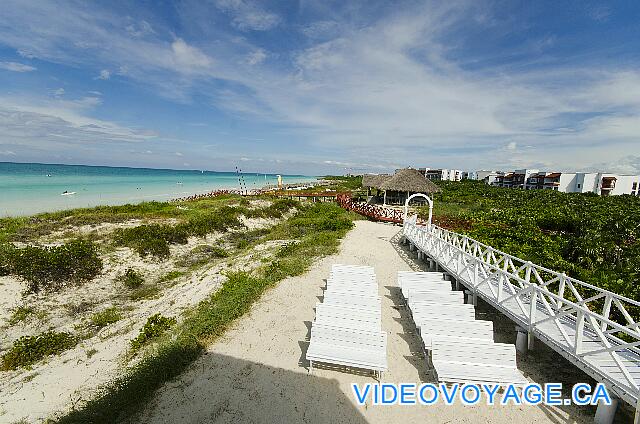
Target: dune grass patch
x,y
155,327
106,317
184,342
28,350
132,279
49,268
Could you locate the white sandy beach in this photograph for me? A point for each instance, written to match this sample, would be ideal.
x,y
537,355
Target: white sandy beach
x,y
257,372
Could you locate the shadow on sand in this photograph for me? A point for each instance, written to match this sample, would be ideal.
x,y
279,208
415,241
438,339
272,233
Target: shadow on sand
x,y
224,389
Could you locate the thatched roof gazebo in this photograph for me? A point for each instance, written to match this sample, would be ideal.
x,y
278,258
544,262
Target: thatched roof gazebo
x,y
374,180
405,182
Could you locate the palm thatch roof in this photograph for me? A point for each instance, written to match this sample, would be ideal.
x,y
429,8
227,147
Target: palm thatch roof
x,y
373,180
410,180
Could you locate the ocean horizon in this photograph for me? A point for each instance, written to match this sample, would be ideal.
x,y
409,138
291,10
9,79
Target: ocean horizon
x,y
31,188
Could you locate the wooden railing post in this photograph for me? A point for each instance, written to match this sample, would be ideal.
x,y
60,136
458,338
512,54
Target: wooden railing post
x,y
606,311
579,331
563,281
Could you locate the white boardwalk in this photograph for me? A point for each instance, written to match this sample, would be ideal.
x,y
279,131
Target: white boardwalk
x,y
591,327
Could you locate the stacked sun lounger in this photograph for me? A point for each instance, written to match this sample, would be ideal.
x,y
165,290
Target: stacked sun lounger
x,y
347,329
461,348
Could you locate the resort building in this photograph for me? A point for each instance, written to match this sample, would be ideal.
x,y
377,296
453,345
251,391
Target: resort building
x,y
441,174
395,189
489,177
515,179
604,184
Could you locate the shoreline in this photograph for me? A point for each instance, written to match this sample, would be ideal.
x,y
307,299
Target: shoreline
x,y
166,197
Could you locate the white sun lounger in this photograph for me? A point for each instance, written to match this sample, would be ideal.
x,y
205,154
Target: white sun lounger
x,y
465,330
445,312
336,267
341,320
364,302
435,296
344,280
464,361
342,291
364,289
419,273
349,311
348,347
415,287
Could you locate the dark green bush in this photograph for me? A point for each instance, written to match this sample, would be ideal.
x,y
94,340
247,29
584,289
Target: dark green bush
x,y
21,313
151,239
50,267
155,326
221,219
132,279
155,239
108,316
30,349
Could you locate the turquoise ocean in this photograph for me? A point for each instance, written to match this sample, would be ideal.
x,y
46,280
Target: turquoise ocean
x,y
29,188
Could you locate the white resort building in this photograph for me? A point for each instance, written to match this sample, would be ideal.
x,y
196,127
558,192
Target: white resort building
x,y
441,174
604,184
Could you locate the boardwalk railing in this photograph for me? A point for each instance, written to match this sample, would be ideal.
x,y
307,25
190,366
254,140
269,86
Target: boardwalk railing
x,y
376,212
592,327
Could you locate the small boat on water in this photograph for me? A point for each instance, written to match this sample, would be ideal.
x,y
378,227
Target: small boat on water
x,y
68,193
179,183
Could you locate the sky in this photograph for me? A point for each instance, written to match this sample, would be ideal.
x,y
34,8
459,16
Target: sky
x,y
318,87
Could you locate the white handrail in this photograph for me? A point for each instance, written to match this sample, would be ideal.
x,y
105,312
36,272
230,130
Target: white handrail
x,y
541,295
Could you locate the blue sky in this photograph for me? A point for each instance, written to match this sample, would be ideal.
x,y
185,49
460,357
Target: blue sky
x,y
320,87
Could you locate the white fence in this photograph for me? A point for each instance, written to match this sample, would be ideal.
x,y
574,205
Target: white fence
x,y
588,325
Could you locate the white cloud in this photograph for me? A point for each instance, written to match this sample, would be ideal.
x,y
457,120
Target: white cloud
x,y
248,15
379,93
16,67
189,59
179,154
59,92
50,124
320,30
256,57
104,75
7,153
140,29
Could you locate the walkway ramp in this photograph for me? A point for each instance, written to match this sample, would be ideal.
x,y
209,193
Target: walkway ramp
x,y
593,328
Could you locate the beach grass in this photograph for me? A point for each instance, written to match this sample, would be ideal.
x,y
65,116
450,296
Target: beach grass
x,y
316,230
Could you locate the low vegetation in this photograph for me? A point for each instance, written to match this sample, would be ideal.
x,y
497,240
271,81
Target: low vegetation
x,y
155,327
21,314
132,279
592,238
28,350
105,317
316,230
49,268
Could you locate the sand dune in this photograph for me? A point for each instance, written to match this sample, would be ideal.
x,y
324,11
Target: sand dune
x,y
257,371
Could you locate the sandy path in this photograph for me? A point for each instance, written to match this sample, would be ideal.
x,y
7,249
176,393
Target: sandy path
x,y
257,372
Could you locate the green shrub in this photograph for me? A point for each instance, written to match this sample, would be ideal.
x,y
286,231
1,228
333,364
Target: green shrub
x,y
6,254
132,279
28,350
108,316
201,255
144,292
21,313
51,267
221,219
151,239
155,239
155,326
243,239
169,276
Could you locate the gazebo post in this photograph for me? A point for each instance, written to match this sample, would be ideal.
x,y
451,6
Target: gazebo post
x,y
384,200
